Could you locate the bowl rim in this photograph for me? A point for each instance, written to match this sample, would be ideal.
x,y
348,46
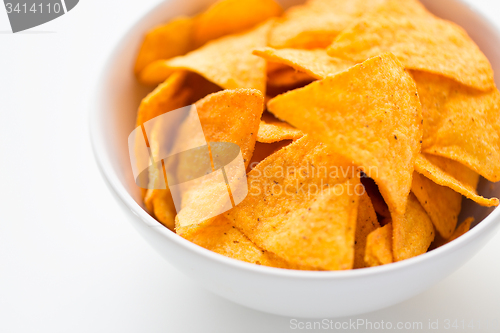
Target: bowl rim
x,y
106,169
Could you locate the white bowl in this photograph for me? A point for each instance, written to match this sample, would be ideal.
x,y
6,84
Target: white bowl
x,y
284,292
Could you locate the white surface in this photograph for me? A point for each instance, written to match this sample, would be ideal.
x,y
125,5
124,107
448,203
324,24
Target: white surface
x,y
69,261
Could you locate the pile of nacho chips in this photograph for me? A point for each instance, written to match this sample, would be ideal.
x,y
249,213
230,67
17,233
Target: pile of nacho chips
x,y
362,126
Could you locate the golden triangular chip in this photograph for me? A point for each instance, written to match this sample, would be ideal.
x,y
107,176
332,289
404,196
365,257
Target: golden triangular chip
x,y
316,23
379,247
232,16
370,114
230,116
166,97
441,203
223,238
316,62
423,43
413,232
302,206
461,123
264,150
366,223
454,175
286,79
462,228
227,62
164,42
273,130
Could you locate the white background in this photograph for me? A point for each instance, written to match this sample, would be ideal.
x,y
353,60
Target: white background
x,y
69,261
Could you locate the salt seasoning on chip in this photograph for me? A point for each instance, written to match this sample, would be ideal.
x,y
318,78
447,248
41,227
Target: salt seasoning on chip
x,y
370,114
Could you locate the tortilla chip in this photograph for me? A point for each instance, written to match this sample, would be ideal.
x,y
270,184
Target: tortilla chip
x,y
294,208
379,247
232,16
316,63
199,87
375,197
274,130
158,199
423,43
461,124
227,62
441,203
366,223
223,238
316,23
232,116
377,105
287,78
166,97
164,42
228,116
263,150
413,232
161,204
454,175
462,228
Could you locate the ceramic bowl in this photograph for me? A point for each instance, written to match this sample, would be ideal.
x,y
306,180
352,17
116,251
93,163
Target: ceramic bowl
x,y
278,291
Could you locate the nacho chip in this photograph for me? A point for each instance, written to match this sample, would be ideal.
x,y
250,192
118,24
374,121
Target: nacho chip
x,y
413,232
461,124
232,16
263,150
441,203
227,116
161,204
232,116
227,62
287,78
199,87
164,42
166,97
421,43
316,63
365,224
301,207
316,23
375,197
274,130
454,175
223,238
377,105
462,228
379,247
